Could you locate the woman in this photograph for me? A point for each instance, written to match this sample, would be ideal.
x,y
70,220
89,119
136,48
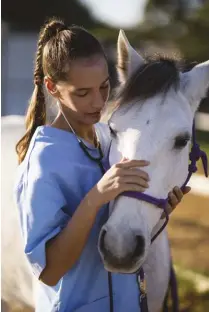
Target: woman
x,y
60,192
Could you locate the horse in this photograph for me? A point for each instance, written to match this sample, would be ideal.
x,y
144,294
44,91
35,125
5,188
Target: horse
x,y
152,120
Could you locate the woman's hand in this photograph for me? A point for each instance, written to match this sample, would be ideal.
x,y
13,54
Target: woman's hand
x,y
121,177
175,198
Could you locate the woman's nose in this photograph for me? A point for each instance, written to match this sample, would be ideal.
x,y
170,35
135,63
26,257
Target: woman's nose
x,y
98,102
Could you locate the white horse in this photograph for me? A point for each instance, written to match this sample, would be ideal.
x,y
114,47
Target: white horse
x,y
152,121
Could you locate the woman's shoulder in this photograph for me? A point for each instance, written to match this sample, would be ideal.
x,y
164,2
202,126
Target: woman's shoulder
x,y
43,156
42,150
49,145
40,167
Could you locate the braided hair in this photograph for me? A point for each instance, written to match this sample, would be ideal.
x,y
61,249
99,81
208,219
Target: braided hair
x,y
57,46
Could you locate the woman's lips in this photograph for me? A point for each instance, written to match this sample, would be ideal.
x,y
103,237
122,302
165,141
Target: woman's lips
x,y
97,114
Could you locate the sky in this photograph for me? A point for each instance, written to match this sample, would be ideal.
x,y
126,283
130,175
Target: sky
x,y
117,13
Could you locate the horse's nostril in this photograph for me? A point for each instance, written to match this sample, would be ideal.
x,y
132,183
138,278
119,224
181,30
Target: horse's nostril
x,y
124,257
140,244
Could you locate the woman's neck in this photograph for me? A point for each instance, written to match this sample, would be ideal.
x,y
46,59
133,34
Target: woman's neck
x,y
86,132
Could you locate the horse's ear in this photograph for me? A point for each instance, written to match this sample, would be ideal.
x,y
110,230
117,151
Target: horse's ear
x,y
195,84
128,59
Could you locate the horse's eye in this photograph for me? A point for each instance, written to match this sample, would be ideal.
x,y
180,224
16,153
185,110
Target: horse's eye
x,y
181,141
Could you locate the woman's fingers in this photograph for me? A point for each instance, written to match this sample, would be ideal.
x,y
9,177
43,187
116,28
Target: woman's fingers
x,y
186,190
132,163
174,198
135,172
178,193
172,203
133,187
169,209
135,180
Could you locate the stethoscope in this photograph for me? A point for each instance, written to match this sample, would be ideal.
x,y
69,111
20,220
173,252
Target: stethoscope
x,y
97,160
85,148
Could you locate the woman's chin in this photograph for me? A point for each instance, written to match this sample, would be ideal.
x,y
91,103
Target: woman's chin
x,y
93,118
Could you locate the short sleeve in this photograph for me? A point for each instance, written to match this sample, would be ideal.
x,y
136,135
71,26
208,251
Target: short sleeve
x,y
40,202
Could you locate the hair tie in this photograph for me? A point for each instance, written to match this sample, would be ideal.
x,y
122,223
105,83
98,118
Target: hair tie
x,y
38,81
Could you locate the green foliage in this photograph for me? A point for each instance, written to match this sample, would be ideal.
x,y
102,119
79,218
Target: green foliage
x,y
195,43
187,28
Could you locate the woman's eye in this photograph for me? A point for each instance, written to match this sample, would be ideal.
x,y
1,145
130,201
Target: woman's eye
x,y
82,94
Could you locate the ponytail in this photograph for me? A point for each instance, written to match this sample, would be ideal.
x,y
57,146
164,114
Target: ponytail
x,y
36,114
58,46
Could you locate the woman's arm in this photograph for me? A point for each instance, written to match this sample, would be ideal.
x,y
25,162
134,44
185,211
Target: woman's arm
x,y
65,249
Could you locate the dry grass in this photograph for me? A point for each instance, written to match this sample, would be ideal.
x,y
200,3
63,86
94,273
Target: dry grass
x,y
5,307
189,234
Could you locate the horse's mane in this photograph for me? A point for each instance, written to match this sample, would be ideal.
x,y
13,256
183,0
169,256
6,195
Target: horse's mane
x,y
154,77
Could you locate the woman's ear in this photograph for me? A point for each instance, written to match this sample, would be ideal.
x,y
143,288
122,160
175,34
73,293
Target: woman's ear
x,y
51,87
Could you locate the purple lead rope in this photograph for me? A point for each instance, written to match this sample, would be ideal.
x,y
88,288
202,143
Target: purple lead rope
x,y
195,154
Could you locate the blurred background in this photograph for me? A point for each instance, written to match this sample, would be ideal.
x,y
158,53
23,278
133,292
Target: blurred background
x,y
174,27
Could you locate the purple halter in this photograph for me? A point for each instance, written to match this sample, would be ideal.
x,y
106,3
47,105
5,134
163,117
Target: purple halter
x,y
195,154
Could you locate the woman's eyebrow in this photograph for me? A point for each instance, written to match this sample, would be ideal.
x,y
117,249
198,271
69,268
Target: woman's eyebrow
x,y
85,89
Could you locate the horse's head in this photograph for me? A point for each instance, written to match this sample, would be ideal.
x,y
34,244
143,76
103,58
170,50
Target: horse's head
x,y
153,121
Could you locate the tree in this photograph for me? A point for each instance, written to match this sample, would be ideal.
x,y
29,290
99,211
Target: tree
x,y
24,15
187,26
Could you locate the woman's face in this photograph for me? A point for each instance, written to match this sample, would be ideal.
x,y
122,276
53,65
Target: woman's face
x,y
86,91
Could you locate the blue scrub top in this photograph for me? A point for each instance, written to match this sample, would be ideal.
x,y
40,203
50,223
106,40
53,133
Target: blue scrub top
x,y
51,181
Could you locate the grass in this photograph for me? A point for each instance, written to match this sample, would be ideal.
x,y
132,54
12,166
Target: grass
x,y
191,297
203,140
205,147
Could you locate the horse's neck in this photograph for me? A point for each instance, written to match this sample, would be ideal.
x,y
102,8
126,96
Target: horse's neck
x,y
157,271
